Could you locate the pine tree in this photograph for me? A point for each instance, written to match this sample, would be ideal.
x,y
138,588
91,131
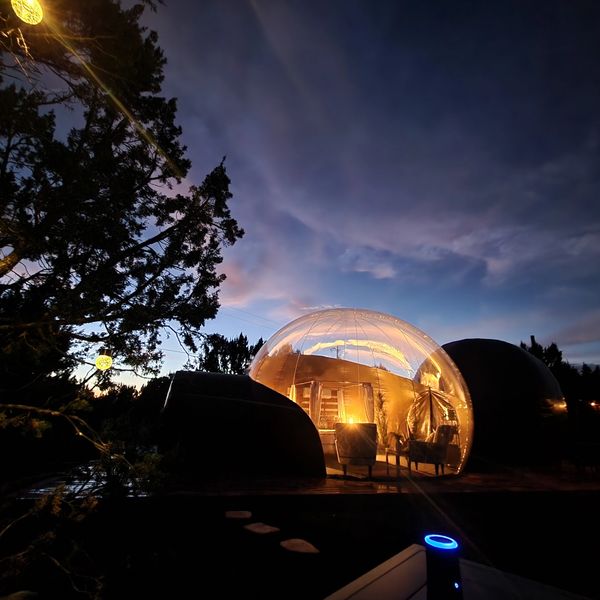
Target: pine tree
x,y
96,247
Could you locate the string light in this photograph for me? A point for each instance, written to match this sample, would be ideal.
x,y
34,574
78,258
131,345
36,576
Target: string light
x,y
104,360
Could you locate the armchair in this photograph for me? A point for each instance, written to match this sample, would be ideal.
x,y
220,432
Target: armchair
x,y
434,452
438,452
356,444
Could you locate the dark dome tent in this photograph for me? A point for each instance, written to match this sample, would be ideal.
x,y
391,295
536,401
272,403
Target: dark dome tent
x,y
230,427
518,407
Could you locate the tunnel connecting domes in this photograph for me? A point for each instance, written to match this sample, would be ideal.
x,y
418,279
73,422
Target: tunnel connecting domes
x,y
357,365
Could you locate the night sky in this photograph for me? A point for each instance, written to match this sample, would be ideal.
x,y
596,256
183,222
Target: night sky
x,y
438,161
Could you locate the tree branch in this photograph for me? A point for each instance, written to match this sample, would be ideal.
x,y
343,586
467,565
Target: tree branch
x,y
76,422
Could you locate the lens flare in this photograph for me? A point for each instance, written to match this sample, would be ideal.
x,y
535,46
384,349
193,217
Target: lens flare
x,y
142,131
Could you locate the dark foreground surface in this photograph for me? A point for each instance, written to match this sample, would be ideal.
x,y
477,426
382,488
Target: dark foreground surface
x,y
184,544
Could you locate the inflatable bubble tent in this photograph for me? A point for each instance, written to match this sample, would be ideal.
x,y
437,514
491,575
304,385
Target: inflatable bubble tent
x,y
361,366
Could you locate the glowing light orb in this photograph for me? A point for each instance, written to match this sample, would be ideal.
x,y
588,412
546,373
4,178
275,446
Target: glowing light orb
x,y
103,362
443,542
29,11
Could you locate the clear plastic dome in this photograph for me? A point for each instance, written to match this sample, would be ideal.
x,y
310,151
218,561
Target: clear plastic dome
x,y
361,366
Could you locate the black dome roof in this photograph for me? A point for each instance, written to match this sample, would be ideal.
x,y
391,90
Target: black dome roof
x,y
510,391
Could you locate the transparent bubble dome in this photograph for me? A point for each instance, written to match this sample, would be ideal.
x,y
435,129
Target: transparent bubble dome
x,y
361,366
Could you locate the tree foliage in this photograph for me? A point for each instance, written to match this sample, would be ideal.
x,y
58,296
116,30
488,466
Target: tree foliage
x,y
221,355
577,384
96,246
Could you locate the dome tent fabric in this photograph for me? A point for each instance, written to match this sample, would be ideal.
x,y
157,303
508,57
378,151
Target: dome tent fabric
x,y
512,394
350,365
231,427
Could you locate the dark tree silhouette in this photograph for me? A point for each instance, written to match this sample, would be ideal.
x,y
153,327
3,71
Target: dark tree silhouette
x,y
96,249
581,388
566,374
221,355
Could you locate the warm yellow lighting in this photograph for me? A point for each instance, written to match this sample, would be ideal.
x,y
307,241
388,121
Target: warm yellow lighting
x,y
351,420
103,362
29,11
557,406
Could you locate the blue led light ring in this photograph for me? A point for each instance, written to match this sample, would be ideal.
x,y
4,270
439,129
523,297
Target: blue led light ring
x,y
443,542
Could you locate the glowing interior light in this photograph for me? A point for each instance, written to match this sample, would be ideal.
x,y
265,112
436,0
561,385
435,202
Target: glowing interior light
x,y
103,362
441,541
29,11
351,420
561,406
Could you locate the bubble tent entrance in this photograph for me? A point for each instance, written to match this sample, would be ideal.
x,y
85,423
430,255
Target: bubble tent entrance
x,y
361,366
